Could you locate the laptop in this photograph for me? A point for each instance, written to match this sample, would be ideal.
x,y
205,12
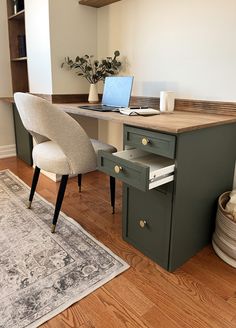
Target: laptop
x,y
116,94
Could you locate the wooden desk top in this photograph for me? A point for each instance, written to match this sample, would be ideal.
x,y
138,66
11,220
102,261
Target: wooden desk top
x,y
176,122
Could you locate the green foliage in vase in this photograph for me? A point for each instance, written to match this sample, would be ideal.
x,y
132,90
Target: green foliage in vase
x,y
94,70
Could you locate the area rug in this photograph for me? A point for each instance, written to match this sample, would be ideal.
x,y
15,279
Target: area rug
x,y
41,273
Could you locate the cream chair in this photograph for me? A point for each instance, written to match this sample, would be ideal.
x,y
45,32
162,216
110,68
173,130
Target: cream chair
x,y
62,146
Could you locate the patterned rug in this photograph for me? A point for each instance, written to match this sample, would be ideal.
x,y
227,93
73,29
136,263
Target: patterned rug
x,y
41,273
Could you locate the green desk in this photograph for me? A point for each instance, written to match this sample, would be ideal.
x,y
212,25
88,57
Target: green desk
x,y
169,211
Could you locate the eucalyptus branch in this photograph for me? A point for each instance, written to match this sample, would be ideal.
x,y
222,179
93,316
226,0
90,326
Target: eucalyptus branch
x,y
94,70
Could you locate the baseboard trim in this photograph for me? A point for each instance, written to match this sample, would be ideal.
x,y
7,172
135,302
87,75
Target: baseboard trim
x,y
7,151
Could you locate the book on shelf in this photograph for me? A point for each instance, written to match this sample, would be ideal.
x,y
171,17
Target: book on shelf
x,y
20,5
21,45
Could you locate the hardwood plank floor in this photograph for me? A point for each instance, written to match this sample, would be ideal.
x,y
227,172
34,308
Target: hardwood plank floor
x,y
200,294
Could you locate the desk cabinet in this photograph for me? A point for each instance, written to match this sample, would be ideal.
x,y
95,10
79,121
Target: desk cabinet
x,y
147,220
24,141
169,212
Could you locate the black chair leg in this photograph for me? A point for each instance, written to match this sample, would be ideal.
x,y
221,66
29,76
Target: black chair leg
x,y
60,197
113,192
79,181
34,185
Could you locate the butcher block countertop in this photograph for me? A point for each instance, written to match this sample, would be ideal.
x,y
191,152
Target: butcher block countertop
x,y
175,122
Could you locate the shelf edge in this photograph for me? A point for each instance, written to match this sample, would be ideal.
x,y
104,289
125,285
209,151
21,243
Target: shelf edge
x,y
17,15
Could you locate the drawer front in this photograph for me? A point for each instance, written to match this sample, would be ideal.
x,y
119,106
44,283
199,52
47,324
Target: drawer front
x,y
147,221
137,168
133,174
153,142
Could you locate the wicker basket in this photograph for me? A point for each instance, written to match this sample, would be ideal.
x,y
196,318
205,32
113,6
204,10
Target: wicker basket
x,y
224,237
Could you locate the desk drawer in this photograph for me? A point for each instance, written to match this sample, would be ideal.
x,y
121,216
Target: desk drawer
x,y
147,221
137,168
153,142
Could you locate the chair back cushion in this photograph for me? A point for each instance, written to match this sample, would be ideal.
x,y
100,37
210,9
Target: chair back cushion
x,y
46,121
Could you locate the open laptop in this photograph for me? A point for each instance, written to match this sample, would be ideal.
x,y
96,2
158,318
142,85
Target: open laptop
x,y
116,94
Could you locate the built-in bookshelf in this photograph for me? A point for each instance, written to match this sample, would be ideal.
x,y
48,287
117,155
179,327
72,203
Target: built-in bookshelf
x,y
97,3
17,44
19,73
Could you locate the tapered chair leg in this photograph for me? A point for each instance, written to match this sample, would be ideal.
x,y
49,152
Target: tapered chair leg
x,y
79,181
113,192
60,197
34,185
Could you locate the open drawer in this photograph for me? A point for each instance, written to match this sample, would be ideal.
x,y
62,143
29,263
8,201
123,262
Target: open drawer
x,y
137,168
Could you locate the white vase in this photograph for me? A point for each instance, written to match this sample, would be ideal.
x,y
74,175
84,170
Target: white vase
x,y
93,94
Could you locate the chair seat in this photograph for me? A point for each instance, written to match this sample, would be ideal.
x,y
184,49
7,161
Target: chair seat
x,y
98,145
48,156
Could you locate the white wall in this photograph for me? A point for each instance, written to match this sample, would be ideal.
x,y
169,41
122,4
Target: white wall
x,y
38,46
6,121
56,29
182,45
73,30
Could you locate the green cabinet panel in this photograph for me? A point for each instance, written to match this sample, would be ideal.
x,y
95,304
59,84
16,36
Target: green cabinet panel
x,y
205,169
24,142
147,221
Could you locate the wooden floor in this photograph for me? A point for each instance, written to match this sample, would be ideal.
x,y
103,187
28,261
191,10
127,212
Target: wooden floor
x,y
202,293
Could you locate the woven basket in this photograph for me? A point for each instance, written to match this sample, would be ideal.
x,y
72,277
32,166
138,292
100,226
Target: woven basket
x,y
224,237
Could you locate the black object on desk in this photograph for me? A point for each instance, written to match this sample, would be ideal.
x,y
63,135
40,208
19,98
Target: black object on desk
x,y
100,108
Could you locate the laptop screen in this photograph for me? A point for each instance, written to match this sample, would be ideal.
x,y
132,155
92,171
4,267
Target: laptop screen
x,y
117,91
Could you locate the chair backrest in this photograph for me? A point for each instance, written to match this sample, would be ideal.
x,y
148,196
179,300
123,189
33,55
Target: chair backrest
x,y
46,121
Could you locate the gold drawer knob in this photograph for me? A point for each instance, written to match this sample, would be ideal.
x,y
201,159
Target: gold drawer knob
x,y
118,169
145,141
142,223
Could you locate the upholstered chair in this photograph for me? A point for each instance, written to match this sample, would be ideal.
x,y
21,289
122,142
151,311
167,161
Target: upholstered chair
x,y
62,146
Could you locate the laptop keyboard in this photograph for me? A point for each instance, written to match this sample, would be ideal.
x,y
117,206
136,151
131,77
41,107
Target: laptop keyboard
x,y
101,108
